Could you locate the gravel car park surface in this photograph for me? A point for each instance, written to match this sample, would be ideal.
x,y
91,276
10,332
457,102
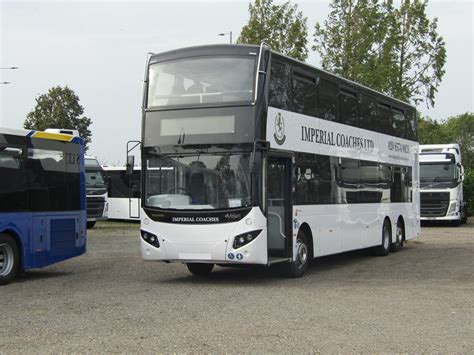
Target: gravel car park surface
x,y
417,300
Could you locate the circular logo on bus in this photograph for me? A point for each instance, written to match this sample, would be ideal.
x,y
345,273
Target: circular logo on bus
x,y
279,129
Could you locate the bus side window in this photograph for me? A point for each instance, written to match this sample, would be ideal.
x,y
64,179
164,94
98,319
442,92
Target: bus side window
x,y
411,126
398,122
368,114
280,86
384,120
304,93
349,108
12,180
327,100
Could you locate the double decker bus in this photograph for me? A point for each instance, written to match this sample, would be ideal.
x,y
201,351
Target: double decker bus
x,y
42,200
252,157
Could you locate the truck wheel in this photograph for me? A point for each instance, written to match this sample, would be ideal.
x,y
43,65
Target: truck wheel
x,y
90,224
298,267
384,248
9,259
464,215
199,269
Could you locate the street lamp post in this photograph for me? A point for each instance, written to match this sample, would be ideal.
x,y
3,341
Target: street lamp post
x,y
225,34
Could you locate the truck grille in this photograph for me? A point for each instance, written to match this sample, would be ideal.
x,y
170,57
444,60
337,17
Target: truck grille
x,y
95,207
434,204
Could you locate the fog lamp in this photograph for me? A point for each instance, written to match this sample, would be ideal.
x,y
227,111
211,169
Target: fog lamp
x,y
150,238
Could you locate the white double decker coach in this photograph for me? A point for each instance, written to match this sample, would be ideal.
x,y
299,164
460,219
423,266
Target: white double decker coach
x,y
251,157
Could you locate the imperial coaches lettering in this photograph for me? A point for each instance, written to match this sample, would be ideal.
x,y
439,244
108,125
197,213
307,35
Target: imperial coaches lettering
x,y
251,157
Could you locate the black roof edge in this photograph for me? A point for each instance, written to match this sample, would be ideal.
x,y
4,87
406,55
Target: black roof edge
x,y
240,49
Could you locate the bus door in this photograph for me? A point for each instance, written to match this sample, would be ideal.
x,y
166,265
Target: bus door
x,y
134,196
279,206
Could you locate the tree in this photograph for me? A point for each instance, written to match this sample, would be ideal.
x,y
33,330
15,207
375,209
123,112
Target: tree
x,y
455,129
59,108
283,27
396,50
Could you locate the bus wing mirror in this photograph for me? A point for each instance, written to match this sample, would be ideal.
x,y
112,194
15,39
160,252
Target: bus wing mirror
x,y
130,164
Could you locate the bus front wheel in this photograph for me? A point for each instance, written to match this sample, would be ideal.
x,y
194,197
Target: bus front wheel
x,y
198,269
9,259
90,224
299,266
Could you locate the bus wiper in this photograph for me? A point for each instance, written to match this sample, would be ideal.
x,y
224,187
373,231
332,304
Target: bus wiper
x,y
182,136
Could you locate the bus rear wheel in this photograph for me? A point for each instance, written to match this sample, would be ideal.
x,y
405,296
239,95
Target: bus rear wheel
x,y
384,248
199,269
9,259
90,224
399,237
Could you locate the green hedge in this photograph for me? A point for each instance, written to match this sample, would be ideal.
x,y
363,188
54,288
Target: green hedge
x,y
469,189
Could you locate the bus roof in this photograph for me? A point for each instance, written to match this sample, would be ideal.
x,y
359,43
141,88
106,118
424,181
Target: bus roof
x,y
245,49
38,134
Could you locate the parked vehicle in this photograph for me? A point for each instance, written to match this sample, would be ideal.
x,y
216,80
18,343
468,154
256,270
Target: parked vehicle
x,y
96,190
42,200
252,157
441,177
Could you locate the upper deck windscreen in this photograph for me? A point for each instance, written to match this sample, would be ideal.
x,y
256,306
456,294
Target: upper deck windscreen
x,y
203,80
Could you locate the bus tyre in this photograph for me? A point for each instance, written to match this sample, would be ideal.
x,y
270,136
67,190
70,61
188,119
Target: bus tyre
x,y
397,245
199,269
384,248
90,224
299,266
9,259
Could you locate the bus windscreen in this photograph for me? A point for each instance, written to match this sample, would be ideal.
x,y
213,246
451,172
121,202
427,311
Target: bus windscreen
x,y
204,80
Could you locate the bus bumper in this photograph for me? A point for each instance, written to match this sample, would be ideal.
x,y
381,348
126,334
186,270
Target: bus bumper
x,y
207,243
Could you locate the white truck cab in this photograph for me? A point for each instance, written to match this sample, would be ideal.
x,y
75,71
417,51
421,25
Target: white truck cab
x,y
441,190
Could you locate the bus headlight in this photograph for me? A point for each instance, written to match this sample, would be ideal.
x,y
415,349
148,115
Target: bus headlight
x,y
245,238
150,238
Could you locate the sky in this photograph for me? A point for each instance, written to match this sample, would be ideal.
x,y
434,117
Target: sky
x,y
99,48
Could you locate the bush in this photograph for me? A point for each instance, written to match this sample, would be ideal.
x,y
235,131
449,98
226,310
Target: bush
x,y
469,190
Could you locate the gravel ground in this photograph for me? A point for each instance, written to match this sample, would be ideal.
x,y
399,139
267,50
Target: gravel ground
x,y
417,300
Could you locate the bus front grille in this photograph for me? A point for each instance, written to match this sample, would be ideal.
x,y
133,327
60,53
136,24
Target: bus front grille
x,y
434,204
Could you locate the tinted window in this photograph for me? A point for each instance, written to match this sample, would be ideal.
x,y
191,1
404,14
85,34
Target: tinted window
x,y
47,182
399,123
384,120
12,179
304,94
313,180
349,108
280,86
411,126
120,185
53,173
327,100
368,112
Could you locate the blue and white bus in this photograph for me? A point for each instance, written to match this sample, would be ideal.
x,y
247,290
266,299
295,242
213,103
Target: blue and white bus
x,y
252,157
42,200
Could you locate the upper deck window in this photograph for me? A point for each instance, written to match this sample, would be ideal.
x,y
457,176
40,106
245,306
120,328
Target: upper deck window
x,y
204,80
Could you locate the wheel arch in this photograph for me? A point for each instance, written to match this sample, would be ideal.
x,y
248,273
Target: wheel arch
x,y
15,235
306,229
